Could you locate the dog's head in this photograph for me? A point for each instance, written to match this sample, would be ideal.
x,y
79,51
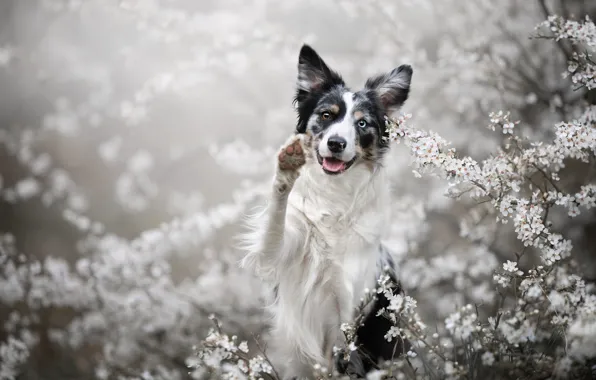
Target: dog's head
x,y
345,128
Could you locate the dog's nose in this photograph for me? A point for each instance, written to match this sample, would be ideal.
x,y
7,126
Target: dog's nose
x,y
336,144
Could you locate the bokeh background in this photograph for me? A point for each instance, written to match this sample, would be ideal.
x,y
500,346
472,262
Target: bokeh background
x,y
135,134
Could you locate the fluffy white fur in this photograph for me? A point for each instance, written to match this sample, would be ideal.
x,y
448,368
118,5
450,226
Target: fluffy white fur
x,y
317,240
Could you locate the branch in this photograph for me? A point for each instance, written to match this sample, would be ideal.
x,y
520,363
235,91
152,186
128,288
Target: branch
x,y
568,53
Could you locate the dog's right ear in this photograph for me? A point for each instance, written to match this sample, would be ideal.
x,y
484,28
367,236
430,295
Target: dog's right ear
x,y
313,74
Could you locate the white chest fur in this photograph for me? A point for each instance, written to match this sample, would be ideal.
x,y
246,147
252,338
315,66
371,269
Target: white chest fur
x,y
338,223
338,239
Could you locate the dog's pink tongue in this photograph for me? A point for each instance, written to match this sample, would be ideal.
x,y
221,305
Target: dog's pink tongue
x,y
333,165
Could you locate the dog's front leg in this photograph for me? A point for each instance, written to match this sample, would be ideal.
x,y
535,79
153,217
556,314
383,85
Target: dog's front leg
x,y
272,242
289,160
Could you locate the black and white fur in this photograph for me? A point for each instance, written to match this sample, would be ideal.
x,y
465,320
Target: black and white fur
x,y
318,240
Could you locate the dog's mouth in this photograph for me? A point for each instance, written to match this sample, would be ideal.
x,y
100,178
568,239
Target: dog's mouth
x,y
332,165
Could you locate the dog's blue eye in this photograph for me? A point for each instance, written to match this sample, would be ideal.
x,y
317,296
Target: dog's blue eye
x,y
362,123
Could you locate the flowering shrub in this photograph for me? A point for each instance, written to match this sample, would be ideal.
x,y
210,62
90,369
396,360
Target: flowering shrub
x,y
97,285
541,322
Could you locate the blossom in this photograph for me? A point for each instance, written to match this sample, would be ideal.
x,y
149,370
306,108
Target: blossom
x,y
392,333
510,266
508,128
13,353
501,280
488,358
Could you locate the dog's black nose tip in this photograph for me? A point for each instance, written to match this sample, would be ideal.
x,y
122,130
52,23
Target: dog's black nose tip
x,y
336,144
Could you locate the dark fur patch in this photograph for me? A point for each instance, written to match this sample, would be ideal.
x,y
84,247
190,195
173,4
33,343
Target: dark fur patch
x,y
366,139
370,335
371,138
329,102
310,64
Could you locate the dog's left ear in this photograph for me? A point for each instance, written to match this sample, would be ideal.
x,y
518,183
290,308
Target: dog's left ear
x,y
392,88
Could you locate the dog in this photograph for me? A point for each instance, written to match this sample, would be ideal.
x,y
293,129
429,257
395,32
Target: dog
x,y
318,239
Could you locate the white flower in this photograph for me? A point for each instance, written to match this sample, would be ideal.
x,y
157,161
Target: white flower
x,y
376,374
449,368
508,128
243,346
510,266
27,188
488,358
392,333
501,280
242,365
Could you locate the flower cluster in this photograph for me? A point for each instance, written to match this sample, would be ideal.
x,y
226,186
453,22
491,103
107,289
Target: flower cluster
x,y
14,352
576,32
222,357
580,64
501,120
547,295
500,178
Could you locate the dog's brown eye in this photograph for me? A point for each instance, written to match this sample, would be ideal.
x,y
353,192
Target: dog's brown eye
x,y
326,115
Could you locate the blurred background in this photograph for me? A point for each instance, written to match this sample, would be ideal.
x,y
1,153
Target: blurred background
x,y
135,134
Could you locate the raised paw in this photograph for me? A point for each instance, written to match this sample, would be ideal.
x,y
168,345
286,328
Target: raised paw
x,y
291,156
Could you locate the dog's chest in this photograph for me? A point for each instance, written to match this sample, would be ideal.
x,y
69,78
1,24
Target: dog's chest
x,y
341,244
339,235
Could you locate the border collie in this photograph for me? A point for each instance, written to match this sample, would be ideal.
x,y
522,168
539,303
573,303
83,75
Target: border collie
x,y
318,240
